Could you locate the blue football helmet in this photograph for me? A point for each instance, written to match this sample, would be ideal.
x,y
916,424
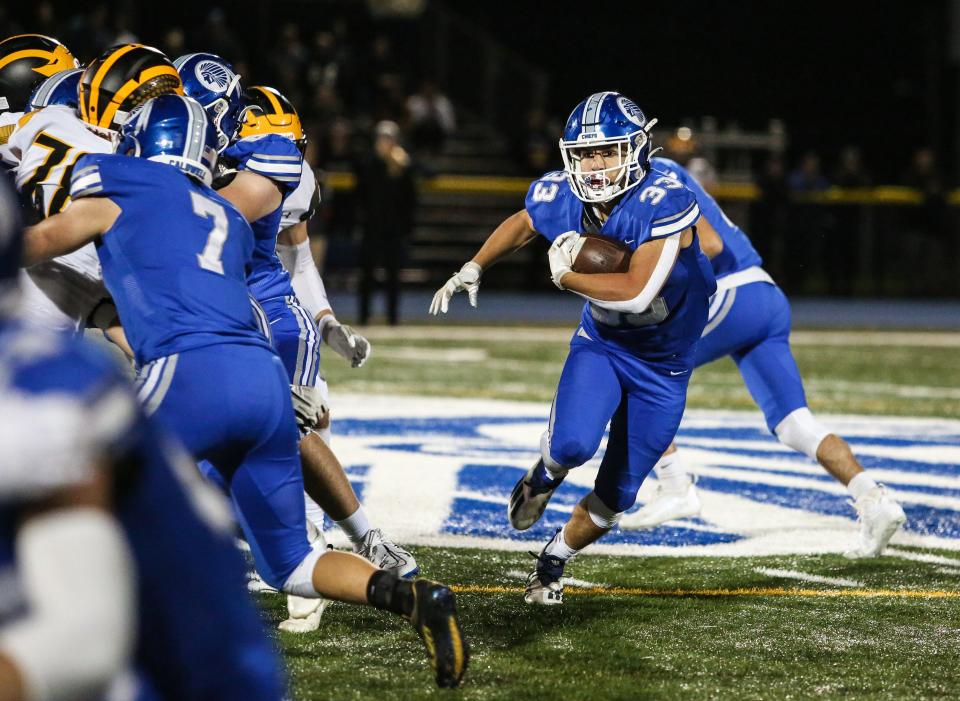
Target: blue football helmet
x,y
59,89
175,130
606,119
211,81
11,245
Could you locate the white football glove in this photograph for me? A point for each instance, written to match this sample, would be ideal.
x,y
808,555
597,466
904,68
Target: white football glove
x,y
467,279
309,408
561,255
345,341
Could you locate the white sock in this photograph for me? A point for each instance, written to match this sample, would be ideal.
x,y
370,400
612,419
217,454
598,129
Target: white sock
x,y
558,547
671,471
314,512
860,485
356,525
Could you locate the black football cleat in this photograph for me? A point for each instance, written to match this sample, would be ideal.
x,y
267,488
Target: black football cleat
x,y
434,617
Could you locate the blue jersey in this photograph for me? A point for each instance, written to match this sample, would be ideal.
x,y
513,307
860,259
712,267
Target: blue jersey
x,y
277,158
199,639
657,207
176,259
738,253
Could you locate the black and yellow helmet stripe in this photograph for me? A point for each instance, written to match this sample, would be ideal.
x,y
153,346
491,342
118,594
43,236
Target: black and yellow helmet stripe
x,y
123,78
127,89
269,112
25,61
90,106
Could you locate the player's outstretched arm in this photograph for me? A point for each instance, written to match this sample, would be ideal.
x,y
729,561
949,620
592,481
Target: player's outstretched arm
x,y
63,233
630,292
515,232
293,247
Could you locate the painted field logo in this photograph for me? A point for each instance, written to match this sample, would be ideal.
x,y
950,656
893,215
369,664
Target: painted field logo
x,y
440,471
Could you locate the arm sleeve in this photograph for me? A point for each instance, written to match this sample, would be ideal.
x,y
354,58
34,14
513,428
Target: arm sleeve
x,y
298,260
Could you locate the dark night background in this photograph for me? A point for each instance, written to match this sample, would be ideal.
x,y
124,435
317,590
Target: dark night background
x,y
874,73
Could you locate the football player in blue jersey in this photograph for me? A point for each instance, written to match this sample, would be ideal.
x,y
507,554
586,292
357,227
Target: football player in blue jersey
x,y
631,356
261,141
750,321
94,516
179,282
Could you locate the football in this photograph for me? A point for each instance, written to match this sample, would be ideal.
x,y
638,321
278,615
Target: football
x,y
600,254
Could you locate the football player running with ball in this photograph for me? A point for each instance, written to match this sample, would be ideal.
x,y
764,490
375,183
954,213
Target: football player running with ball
x,y
750,321
631,357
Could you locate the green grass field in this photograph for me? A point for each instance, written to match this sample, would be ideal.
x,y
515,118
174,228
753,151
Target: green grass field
x,y
672,628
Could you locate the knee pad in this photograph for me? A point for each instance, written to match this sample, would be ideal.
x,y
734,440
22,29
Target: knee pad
x,y
601,514
300,581
802,432
560,456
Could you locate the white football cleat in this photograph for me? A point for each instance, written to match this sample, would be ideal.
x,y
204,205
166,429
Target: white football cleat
x,y
543,584
668,504
529,498
304,614
255,585
387,555
879,517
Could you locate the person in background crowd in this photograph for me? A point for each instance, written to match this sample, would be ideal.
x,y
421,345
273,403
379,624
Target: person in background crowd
x,y
432,118
808,177
387,199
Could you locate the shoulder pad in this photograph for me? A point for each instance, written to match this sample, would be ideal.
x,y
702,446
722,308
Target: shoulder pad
x,y
270,155
674,206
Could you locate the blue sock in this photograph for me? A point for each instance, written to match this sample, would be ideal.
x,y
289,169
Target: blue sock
x,y
542,478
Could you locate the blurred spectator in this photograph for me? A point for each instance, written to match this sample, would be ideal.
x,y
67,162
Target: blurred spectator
x,y
770,216
432,118
217,37
808,177
927,229
684,148
89,33
850,171
386,195
535,147
174,42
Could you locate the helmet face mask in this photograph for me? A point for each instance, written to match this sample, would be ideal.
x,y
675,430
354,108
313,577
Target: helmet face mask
x,y
606,123
211,81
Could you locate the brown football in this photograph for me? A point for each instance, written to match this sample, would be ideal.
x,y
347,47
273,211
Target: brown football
x,y
599,254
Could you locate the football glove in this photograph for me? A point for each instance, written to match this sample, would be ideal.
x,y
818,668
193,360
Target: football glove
x,y
467,279
346,342
309,408
561,256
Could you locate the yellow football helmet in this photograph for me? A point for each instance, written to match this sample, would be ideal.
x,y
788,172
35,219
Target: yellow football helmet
x,y
121,80
269,112
26,60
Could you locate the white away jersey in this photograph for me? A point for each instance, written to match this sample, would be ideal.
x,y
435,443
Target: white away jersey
x,y
302,203
43,148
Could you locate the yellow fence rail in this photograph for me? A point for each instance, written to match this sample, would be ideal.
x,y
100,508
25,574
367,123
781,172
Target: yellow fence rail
x,y
744,192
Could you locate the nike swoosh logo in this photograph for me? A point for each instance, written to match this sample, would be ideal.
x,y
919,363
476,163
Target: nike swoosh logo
x,y
629,240
682,372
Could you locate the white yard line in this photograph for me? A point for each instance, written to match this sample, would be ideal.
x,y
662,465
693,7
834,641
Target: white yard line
x,y
944,339
923,557
567,581
427,354
804,577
